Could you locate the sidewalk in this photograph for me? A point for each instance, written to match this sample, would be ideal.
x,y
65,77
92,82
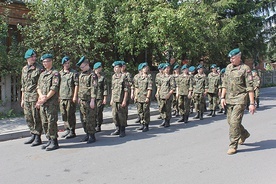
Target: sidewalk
x,y
15,128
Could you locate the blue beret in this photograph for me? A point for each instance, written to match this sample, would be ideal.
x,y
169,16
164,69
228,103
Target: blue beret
x,y
65,59
123,63
199,66
143,65
222,70
175,67
192,69
213,66
46,56
218,68
29,53
117,63
254,71
160,66
80,61
139,66
184,67
234,52
166,65
97,65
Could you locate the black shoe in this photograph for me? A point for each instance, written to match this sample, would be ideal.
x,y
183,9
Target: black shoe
x,y
146,128
167,123
98,128
72,134
37,141
85,138
116,132
220,111
91,138
201,116
31,140
122,131
214,114
159,117
196,116
53,146
186,117
182,119
211,113
141,127
65,133
46,145
163,123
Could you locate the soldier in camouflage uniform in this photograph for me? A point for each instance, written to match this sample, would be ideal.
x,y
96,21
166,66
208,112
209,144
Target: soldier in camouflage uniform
x,y
88,86
68,94
200,88
157,82
236,85
119,97
222,71
165,90
192,72
135,78
213,89
176,74
29,79
101,94
48,91
256,85
143,89
184,87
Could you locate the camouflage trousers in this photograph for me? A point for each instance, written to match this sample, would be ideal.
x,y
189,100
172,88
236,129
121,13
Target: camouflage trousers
x,y
175,103
32,117
234,118
49,118
184,105
166,108
199,102
144,112
99,115
119,114
68,113
88,117
213,101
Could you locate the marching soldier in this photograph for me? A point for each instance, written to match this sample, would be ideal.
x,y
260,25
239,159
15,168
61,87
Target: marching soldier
x,y
88,86
101,94
29,80
68,95
256,85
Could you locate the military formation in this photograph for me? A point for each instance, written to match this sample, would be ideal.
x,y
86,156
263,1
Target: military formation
x,y
179,91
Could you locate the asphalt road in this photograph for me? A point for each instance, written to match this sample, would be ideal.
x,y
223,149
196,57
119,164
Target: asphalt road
x,y
194,153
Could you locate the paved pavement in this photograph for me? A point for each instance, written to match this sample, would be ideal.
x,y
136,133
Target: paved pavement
x,y
15,128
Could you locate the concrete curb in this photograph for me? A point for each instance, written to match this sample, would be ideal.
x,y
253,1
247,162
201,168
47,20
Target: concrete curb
x,y
26,133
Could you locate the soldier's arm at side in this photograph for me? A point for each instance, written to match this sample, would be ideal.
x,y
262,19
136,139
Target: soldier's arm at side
x,y
223,101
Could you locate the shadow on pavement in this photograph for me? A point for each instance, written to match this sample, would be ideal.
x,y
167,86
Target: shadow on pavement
x,y
257,146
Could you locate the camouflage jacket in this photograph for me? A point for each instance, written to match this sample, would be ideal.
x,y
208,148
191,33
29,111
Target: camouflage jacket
x,y
184,84
142,85
102,87
88,85
213,82
237,82
200,83
167,83
158,78
49,80
256,81
119,86
29,80
68,81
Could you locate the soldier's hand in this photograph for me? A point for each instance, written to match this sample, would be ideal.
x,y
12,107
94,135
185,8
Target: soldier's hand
x,y
223,103
75,100
22,104
111,103
104,101
167,96
92,104
123,104
252,109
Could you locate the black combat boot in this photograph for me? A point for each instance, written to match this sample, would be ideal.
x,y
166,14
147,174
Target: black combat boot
x,y
117,131
183,119
141,127
146,128
31,140
186,118
163,123
167,123
65,133
85,138
91,138
53,146
98,128
37,141
211,113
258,102
214,113
197,115
122,131
72,134
47,144
220,111
138,119
201,115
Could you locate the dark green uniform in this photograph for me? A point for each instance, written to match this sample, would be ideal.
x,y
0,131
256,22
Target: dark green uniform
x,y
237,82
49,80
29,80
88,86
69,80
